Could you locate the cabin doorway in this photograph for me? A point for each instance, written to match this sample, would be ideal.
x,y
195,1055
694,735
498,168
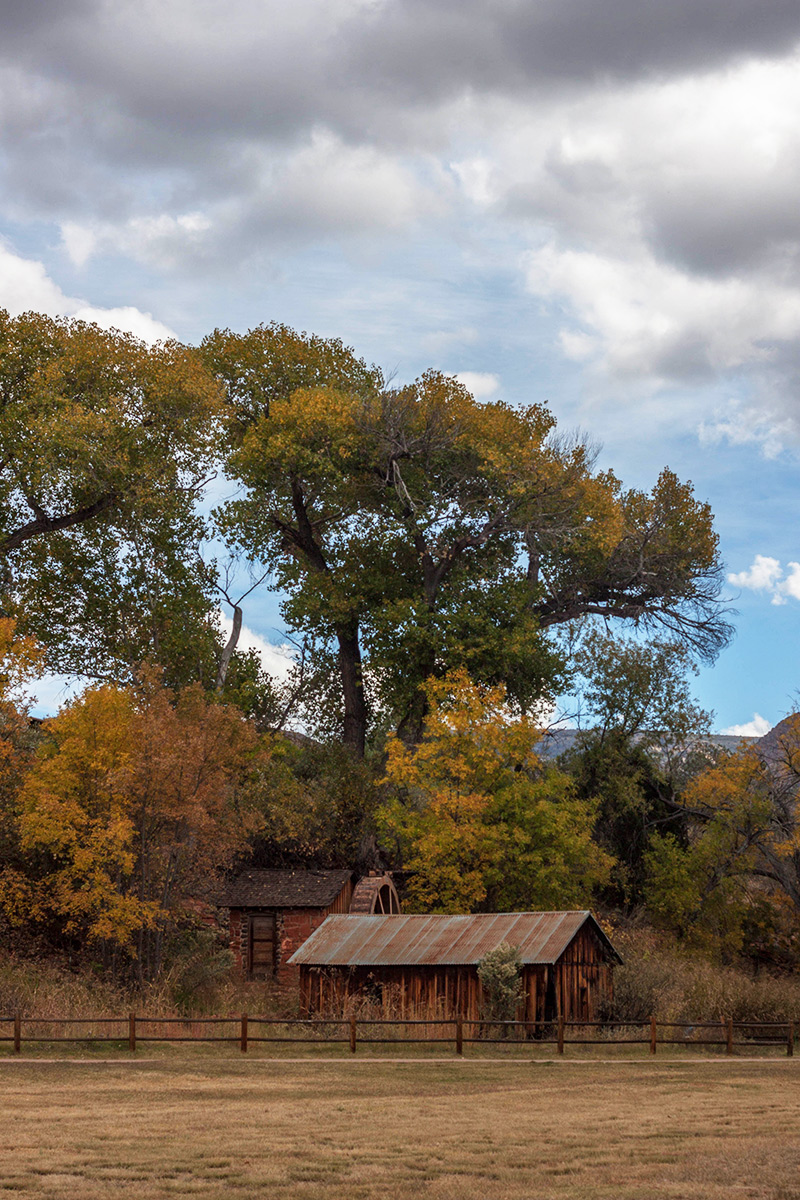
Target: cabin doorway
x,y
551,1012
261,946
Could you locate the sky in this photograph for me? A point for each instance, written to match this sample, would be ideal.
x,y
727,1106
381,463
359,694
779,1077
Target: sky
x,y
589,204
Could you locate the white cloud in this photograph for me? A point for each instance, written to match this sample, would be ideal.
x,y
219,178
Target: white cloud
x,y
328,185
159,239
767,575
763,575
650,319
755,728
25,286
51,692
479,383
747,424
791,584
276,660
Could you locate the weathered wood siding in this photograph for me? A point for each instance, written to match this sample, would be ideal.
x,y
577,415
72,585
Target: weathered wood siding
x,y
584,980
577,987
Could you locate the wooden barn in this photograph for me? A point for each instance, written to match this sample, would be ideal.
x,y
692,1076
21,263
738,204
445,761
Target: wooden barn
x,y
427,965
272,912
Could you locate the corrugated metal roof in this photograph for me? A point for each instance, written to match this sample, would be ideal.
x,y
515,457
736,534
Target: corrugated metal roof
x,y
356,940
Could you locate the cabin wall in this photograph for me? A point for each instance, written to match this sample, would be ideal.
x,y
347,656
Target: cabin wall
x,y
393,991
292,927
424,992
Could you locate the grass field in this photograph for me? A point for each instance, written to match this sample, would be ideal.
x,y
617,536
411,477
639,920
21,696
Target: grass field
x,y
352,1130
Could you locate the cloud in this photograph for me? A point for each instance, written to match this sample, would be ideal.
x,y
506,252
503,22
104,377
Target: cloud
x,y
644,159
479,383
763,575
52,692
162,238
740,424
651,319
767,575
26,286
277,661
755,728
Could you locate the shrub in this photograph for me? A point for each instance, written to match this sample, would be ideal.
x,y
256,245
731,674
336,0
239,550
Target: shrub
x,y
500,973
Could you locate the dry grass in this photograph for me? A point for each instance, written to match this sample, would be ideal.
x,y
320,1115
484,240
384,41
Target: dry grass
x,y
659,979
410,1131
50,989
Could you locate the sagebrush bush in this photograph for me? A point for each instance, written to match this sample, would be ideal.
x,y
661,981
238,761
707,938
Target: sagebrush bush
x,y
500,973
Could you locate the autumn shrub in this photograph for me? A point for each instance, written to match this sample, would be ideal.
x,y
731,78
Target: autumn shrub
x,y
659,979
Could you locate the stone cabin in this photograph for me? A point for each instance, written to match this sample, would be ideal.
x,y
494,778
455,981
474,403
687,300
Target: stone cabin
x,y
272,912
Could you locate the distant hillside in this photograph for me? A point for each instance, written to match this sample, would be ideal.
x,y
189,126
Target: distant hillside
x,y
559,741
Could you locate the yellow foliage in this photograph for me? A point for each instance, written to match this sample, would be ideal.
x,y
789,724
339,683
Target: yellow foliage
x,y
478,819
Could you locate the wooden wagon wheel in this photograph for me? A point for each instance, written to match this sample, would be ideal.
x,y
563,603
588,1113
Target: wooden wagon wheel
x,y
375,894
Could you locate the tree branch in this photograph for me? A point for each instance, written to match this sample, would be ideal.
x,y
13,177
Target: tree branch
x,y
45,524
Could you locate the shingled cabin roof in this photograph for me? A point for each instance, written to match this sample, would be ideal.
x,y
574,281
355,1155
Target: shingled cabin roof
x,y
262,888
348,940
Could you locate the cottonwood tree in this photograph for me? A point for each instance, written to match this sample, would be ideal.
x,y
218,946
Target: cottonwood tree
x,y
417,530
105,444
292,402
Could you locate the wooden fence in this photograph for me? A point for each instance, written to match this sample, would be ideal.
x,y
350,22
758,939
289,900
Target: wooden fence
x,y
247,1030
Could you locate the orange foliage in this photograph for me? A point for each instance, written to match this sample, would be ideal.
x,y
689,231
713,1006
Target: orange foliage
x,y
137,802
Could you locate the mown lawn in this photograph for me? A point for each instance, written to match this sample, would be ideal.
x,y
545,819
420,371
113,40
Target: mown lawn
x,y
404,1131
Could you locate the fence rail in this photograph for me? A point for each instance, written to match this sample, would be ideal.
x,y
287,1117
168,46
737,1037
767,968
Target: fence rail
x,y
352,1031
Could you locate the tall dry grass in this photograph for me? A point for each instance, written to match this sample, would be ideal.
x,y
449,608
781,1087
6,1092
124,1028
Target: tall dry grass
x,y
658,979
50,989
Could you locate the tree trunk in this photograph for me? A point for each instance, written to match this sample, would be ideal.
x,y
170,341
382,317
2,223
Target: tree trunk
x,y
231,645
412,724
355,702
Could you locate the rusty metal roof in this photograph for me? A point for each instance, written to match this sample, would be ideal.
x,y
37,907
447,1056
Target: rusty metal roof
x,y
356,940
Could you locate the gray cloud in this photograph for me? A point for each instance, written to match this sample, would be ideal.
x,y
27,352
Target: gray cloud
x,y
423,48
645,142
269,71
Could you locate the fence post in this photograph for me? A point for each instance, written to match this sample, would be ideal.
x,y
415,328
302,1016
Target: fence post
x,y
652,1035
790,1040
729,1036
17,1033
560,1035
132,1032
459,1036
352,1035
243,1040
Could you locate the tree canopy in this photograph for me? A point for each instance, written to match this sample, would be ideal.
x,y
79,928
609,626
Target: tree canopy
x,y
478,821
416,530
105,446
